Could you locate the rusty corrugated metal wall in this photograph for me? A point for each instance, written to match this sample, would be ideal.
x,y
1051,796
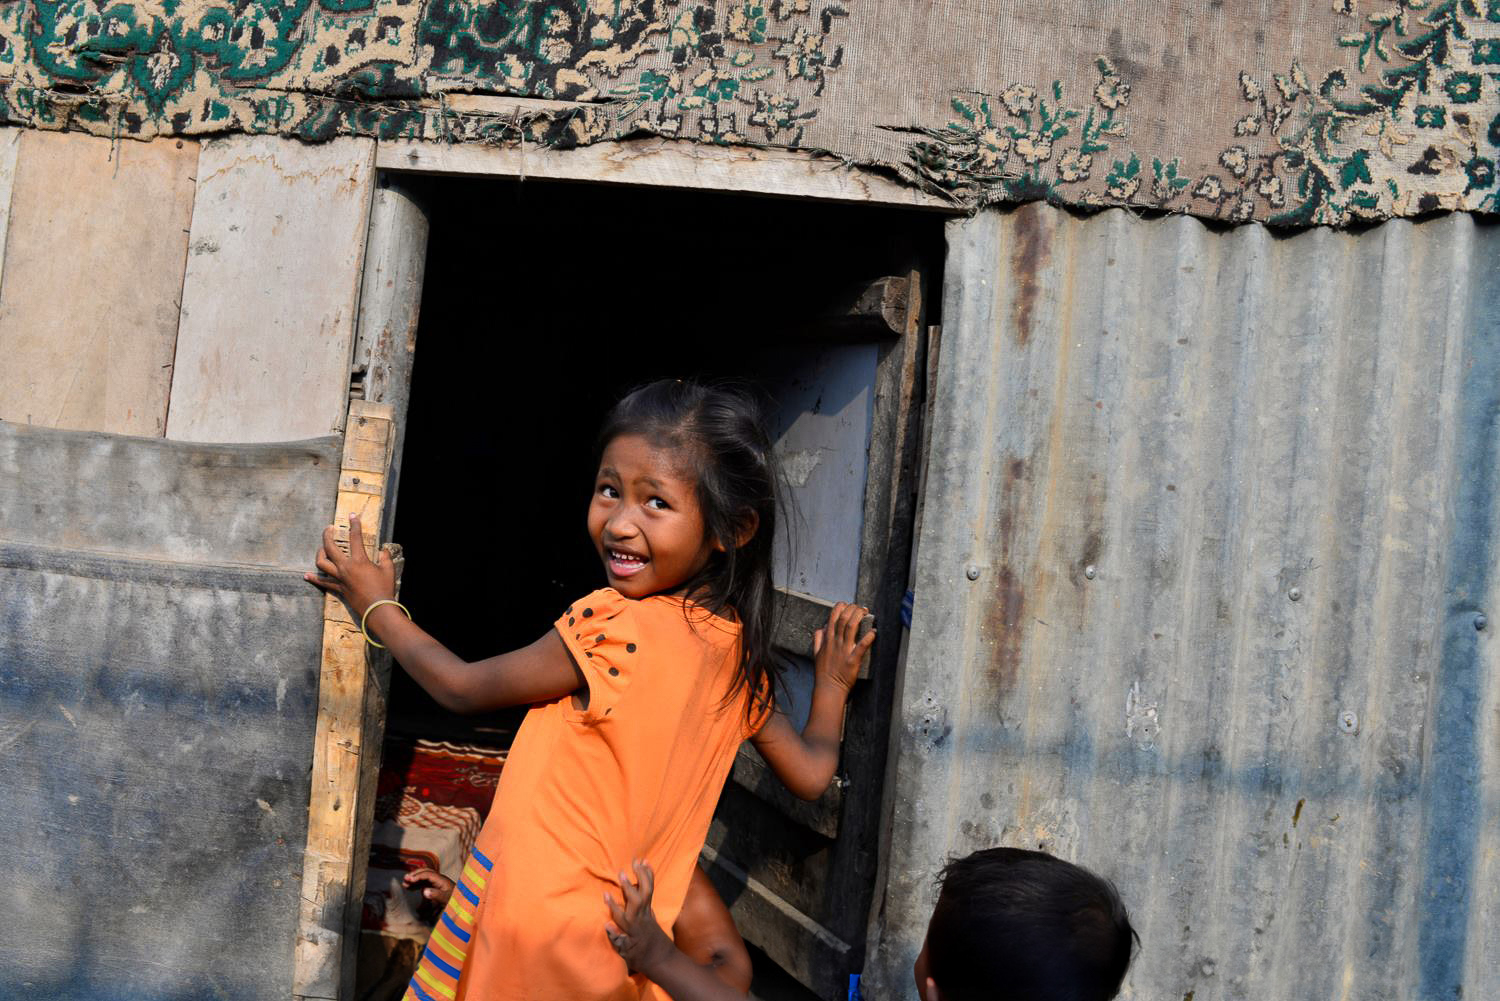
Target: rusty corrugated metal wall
x,y
1202,575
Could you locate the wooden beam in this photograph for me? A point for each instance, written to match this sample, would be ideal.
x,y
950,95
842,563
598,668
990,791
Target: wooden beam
x,y
666,163
332,878
798,615
821,814
801,946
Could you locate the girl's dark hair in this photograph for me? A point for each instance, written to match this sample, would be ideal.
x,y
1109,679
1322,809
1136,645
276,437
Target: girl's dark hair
x,y
1017,925
720,430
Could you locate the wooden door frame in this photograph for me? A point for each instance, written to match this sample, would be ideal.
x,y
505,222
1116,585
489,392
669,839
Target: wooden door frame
x,y
381,364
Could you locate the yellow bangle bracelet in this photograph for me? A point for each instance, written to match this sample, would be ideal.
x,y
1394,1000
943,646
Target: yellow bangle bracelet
x,y
366,617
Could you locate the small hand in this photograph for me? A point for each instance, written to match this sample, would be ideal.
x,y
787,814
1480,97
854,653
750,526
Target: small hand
x,y
635,933
838,649
436,887
353,577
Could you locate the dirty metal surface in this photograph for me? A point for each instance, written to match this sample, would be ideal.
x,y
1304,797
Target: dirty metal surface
x,y
1204,596
158,688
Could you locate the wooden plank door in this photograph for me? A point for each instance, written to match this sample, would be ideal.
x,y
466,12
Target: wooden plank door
x,y
798,875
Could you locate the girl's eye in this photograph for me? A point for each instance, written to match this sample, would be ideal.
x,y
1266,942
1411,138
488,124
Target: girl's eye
x,y
608,491
658,504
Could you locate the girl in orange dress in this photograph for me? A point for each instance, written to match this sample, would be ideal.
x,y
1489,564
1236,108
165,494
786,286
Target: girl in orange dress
x,y
640,695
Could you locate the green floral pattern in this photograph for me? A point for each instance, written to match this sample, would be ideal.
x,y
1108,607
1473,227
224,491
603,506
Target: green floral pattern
x,y
725,73
1409,123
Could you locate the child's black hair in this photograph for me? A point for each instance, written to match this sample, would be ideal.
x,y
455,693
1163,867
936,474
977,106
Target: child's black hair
x,y
1017,925
720,428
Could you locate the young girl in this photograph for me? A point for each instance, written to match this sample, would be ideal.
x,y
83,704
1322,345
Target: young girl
x,y
640,697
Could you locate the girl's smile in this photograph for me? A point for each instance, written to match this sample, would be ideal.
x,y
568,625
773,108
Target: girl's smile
x,y
645,520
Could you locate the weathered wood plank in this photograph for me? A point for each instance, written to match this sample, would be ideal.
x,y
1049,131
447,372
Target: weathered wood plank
x,y
10,140
665,163
272,286
821,815
798,615
801,946
97,239
332,889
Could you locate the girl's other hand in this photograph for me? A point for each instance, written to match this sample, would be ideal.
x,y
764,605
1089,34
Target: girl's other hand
x,y
435,886
838,649
352,576
635,933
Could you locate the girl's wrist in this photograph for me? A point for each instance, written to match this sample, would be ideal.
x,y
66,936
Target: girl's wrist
x,y
831,688
378,615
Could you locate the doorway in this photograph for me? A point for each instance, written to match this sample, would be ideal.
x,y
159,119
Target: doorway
x,y
543,303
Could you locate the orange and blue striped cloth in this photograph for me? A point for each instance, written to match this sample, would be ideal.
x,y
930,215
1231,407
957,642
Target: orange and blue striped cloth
x,y
442,962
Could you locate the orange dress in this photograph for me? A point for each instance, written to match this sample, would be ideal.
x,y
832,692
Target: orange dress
x,y
584,791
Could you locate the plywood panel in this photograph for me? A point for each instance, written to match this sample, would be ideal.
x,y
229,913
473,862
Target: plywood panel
x,y
268,305
93,270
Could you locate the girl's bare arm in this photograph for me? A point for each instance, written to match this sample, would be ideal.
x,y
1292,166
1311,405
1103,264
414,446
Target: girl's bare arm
x,y
805,762
537,673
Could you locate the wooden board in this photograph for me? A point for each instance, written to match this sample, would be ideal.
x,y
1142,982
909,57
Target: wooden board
x,y
92,275
156,720
10,140
668,164
342,786
272,286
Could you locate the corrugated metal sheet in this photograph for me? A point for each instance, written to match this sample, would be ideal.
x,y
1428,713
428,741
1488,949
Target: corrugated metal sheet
x,y
1229,499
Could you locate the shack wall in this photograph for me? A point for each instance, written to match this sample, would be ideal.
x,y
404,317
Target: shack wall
x,y
1287,110
177,325
1201,588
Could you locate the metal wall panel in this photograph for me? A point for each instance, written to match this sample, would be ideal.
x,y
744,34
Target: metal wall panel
x,y
158,699
1208,542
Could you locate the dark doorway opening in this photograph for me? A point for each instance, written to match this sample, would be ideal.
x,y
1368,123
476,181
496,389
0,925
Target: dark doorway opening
x,y
543,303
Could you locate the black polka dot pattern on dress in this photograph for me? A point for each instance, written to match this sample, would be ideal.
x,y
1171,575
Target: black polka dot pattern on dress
x,y
599,638
587,612
614,672
630,648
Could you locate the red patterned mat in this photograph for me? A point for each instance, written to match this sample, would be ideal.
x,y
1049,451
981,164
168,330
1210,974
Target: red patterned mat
x,y
431,798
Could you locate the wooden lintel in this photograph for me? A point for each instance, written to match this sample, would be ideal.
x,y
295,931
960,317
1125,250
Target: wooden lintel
x,y
667,163
333,870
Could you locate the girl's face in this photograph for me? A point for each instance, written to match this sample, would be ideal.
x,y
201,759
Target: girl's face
x,y
645,520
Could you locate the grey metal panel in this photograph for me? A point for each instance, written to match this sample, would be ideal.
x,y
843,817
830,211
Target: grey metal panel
x,y
156,713
1231,501
166,500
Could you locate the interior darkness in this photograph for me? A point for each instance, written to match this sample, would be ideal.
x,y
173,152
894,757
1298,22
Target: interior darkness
x,y
544,302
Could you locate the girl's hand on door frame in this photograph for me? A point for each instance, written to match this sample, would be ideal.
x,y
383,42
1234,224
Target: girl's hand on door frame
x,y
352,576
838,649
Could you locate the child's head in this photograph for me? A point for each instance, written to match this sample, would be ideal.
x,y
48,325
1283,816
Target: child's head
x,y
685,501
1016,924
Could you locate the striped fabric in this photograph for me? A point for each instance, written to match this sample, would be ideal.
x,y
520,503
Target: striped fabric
x,y
437,974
